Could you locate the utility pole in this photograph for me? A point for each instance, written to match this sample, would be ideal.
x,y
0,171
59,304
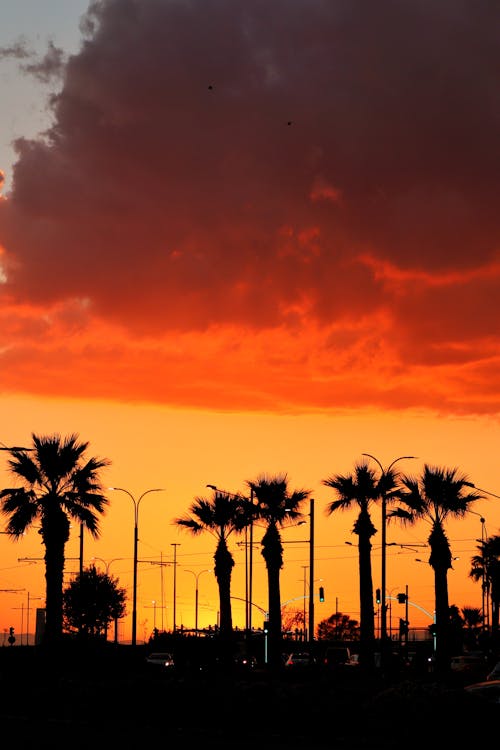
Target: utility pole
x,y
175,545
311,572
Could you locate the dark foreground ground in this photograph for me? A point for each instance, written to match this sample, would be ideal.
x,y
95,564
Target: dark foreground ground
x,y
92,703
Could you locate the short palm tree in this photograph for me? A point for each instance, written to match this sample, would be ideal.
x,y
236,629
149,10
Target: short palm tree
x,y
276,507
360,489
220,516
436,496
486,568
58,485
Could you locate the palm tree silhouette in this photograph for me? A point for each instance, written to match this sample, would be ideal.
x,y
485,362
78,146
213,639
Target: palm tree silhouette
x,y
360,489
277,507
437,495
486,567
221,516
59,484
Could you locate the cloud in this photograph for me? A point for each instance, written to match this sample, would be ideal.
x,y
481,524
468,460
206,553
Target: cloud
x,y
309,186
18,50
45,69
49,67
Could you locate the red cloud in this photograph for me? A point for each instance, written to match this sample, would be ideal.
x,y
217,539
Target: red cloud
x,y
284,205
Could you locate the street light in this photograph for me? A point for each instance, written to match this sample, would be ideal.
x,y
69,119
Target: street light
x,y
175,545
107,564
305,567
197,575
136,540
311,572
383,611
310,542
487,492
485,605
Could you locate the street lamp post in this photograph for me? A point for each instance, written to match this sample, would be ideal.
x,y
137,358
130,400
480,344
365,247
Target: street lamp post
x,y
136,540
485,608
310,542
196,576
250,565
107,564
175,545
305,567
383,609
311,571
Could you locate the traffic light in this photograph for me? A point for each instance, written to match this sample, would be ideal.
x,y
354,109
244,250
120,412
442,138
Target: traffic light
x,y
321,594
403,626
12,638
401,598
266,626
377,596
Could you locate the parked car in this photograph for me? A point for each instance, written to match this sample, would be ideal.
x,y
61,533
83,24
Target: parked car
x,y
336,657
161,659
300,659
494,673
243,662
466,664
488,690
470,667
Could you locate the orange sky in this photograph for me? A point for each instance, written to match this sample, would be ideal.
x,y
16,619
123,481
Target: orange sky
x,y
183,450
257,239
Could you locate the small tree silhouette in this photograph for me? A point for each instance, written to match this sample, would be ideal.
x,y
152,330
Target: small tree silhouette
x,y
91,602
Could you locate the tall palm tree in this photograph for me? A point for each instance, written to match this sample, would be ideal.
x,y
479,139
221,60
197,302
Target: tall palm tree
x,y
486,568
436,496
361,489
221,516
58,485
277,507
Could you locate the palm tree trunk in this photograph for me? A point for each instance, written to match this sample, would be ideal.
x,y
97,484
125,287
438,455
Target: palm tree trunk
x,y
495,601
274,636
223,569
54,575
367,614
442,618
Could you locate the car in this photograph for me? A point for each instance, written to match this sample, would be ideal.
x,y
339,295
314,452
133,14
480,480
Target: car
x,y
161,659
299,659
336,657
353,661
244,662
466,664
494,673
488,691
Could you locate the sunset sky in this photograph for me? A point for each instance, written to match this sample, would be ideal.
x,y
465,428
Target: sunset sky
x,y
247,237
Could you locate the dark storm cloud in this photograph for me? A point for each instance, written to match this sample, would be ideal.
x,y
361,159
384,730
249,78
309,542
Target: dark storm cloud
x,y
269,163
